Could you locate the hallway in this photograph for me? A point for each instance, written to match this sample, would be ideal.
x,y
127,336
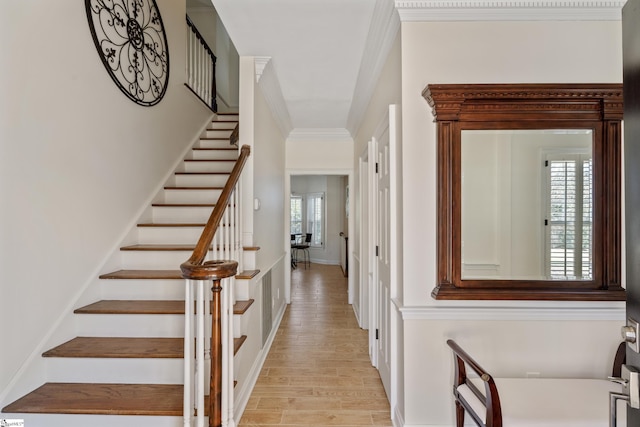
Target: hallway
x,y
318,371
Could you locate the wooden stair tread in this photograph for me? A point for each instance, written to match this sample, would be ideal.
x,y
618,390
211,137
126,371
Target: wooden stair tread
x,y
143,274
127,348
159,247
103,399
167,247
247,274
240,307
183,205
148,307
171,224
202,173
133,307
192,188
215,149
162,274
237,343
209,160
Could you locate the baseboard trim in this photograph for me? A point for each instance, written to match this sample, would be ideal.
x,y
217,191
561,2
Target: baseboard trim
x,y
244,394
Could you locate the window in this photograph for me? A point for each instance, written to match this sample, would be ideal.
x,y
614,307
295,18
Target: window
x,y
315,218
310,207
296,214
569,216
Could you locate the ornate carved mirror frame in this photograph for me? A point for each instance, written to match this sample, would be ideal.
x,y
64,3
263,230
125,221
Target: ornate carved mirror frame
x,y
597,107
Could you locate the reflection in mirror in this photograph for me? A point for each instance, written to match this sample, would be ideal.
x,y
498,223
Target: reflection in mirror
x,y
527,204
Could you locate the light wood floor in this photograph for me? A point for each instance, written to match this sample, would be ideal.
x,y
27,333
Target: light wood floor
x,y
318,372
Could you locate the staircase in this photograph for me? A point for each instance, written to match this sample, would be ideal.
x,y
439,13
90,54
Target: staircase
x,y
128,357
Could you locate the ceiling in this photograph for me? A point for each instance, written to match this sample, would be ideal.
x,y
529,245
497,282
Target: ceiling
x,y
325,56
316,49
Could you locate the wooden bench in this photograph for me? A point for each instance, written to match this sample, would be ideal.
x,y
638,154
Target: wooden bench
x,y
532,402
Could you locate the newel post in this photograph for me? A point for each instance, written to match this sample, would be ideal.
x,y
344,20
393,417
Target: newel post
x,y
215,271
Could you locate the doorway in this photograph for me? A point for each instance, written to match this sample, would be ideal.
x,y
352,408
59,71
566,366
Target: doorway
x,y
318,204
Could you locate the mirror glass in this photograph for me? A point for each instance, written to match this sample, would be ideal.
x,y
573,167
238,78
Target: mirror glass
x,y
527,204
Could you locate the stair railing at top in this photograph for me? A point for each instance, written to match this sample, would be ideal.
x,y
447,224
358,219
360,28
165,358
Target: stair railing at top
x,y
224,245
201,67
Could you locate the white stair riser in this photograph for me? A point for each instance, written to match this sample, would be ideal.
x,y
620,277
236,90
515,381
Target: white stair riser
x,y
114,370
174,235
192,196
237,325
218,133
142,289
217,154
226,117
176,214
217,180
130,325
150,260
242,290
214,143
249,260
226,124
81,420
223,166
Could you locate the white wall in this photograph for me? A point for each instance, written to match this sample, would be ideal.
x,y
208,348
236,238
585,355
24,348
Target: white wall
x,y
487,52
262,179
78,162
268,167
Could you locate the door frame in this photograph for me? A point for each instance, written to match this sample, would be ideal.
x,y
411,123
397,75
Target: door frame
x,y
390,120
287,220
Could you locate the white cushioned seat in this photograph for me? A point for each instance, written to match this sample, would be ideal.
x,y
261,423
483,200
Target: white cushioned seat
x,y
547,402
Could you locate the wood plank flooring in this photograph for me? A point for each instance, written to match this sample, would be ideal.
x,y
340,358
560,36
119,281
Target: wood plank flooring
x,y
318,371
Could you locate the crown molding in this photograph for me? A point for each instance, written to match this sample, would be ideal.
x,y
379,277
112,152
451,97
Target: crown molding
x,y
260,63
513,10
319,134
385,25
267,80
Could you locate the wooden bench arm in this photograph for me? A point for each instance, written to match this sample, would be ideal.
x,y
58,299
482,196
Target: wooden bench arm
x,y
490,398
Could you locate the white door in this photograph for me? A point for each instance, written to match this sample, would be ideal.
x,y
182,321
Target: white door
x,y
383,252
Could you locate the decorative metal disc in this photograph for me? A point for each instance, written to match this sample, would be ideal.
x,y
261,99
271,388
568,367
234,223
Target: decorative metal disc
x,y
132,44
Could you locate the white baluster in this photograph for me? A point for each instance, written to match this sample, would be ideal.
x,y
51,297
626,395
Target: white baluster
x,y
200,351
188,354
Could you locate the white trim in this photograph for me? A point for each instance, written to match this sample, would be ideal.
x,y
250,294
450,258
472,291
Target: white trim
x,y
287,218
382,33
260,63
513,10
579,311
243,395
397,419
319,134
268,82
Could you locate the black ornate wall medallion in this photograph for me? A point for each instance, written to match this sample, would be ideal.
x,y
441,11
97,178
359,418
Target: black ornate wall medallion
x,y
132,44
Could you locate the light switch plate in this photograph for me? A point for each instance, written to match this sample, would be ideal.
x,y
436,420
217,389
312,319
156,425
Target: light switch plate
x,y
635,345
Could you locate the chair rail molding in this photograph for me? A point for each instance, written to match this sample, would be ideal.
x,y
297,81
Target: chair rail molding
x,y
522,311
513,10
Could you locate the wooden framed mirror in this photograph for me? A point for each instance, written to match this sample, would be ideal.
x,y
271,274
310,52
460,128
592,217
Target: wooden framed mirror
x,y
528,191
